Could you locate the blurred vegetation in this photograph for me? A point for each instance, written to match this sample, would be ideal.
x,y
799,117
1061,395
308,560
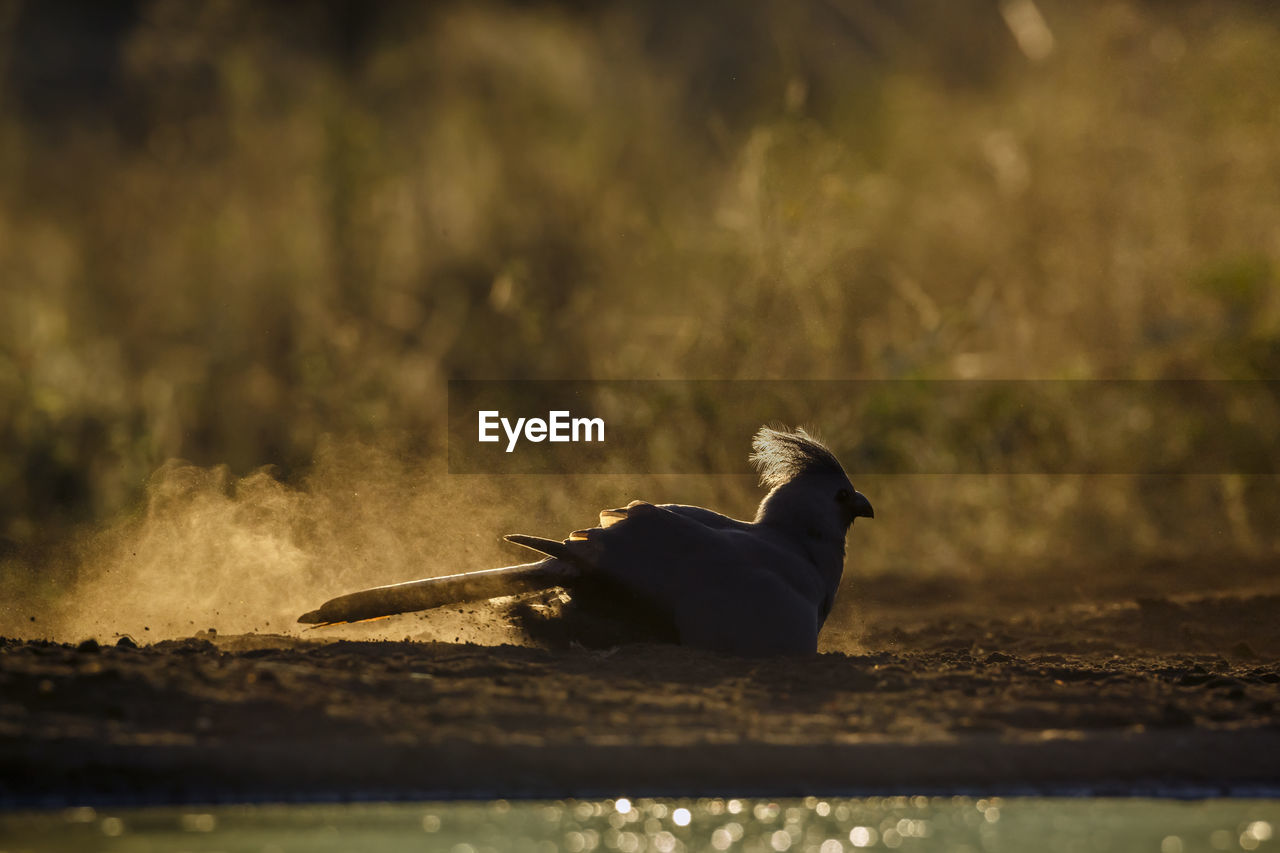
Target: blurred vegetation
x,y
243,233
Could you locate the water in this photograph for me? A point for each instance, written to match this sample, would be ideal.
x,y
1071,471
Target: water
x,y
958,824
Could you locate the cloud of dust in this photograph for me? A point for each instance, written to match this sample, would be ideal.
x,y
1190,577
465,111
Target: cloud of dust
x,y
210,550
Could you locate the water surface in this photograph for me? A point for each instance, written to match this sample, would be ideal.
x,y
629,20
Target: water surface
x,y
828,825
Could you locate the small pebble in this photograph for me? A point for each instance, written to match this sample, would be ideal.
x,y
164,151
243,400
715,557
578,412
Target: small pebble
x,y
1244,650
126,642
89,646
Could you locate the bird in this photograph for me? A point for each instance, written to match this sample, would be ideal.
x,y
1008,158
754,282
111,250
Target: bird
x,y
671,572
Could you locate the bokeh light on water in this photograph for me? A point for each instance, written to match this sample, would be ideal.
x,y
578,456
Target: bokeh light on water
x,y
811,825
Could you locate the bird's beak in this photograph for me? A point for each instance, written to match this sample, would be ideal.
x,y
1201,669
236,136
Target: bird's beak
x,y
861,506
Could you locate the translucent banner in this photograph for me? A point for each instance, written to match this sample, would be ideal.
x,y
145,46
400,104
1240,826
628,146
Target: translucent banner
x,y
874,426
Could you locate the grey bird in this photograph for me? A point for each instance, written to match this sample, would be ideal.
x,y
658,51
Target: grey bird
x,y
675,573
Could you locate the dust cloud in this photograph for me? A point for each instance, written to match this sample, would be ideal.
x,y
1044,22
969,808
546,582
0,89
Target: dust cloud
x,y
209,550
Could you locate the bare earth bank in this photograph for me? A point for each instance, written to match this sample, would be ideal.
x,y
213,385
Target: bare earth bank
x,y
1162,695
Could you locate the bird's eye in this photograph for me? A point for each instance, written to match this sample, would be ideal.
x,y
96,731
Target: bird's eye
x,y
843,495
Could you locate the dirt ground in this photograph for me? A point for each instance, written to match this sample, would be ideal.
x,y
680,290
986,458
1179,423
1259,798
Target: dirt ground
x,y
938,693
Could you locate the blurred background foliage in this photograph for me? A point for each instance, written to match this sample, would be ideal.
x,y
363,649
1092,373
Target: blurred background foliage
x,y
251,234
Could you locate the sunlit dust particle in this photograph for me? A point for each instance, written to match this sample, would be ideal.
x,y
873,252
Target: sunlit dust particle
x,y
822,809
112,826
734,806
721,839
623,805
1171,844
780,841
831,845
681,817
430,823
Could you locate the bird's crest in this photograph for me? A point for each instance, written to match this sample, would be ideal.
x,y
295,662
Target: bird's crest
x,y
781,455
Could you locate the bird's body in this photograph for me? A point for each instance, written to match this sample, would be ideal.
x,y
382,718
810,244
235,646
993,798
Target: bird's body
x,y
684,573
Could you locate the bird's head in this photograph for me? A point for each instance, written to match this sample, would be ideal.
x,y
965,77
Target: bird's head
x,y
809,491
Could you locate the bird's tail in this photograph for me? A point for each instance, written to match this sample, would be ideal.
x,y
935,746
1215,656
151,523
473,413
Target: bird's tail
x,y
438,592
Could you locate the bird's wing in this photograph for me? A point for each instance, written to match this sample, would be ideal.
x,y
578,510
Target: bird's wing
x,y
707,517
720,584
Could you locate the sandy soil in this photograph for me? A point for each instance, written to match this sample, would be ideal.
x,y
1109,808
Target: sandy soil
x,y
1164,695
